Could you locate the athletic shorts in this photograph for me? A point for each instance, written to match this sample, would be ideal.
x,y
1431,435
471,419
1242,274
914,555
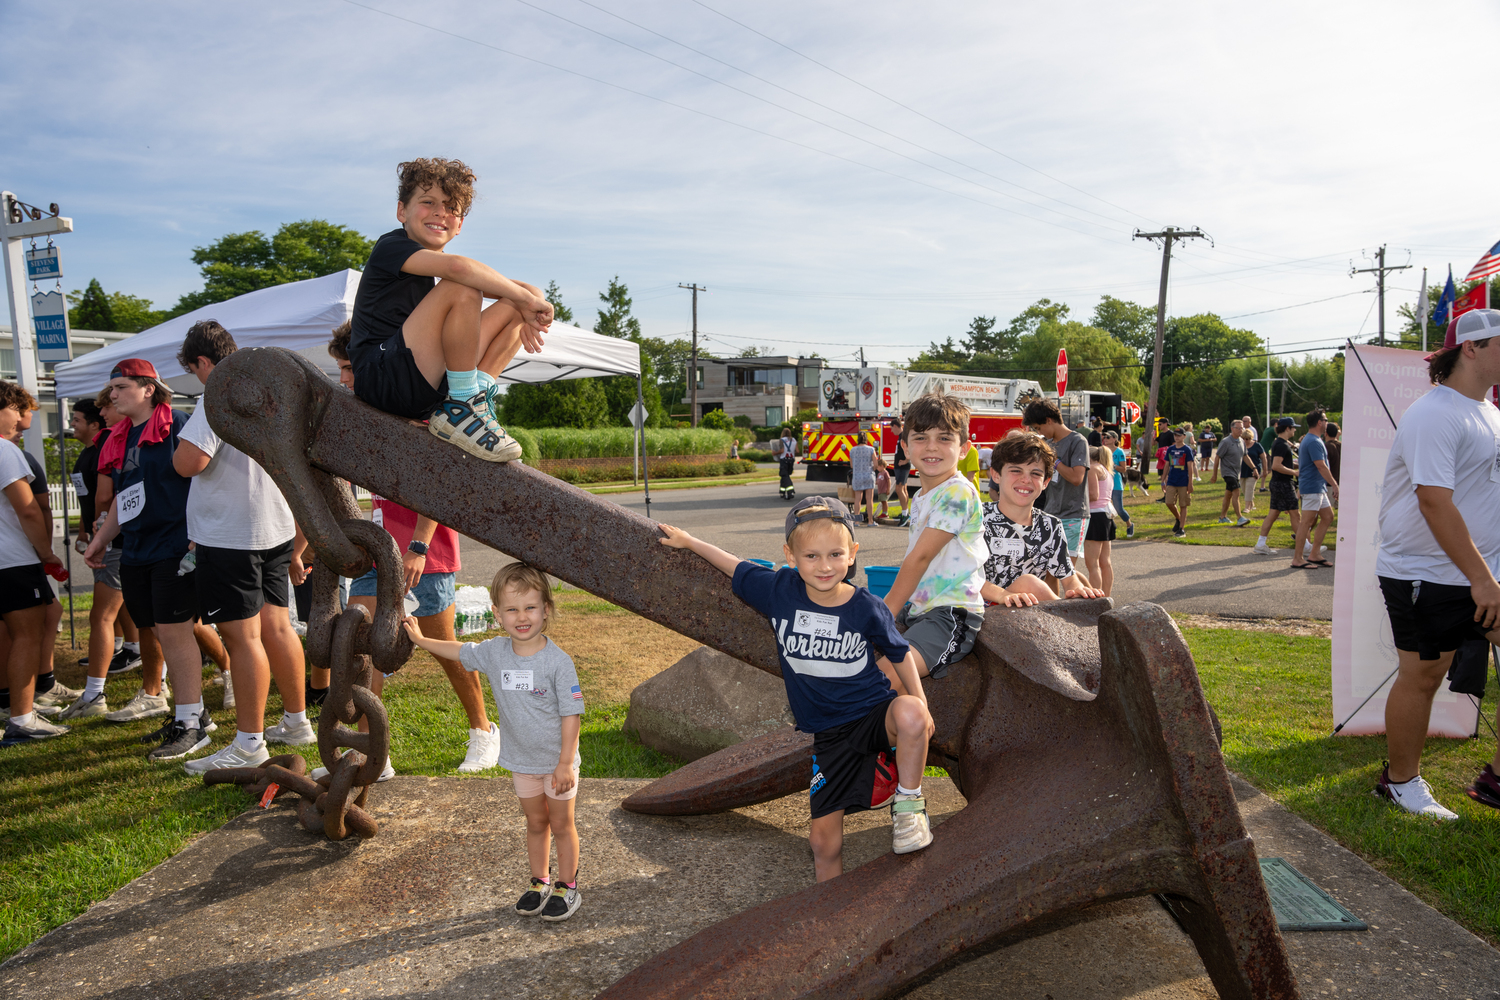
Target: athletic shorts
x,y
234,584
387,377
23,587
1073,532
854,766
529,786
898,475
110,574
1283,496
1179,496
435,592
943,635
156,595
1205,450
1101,527
1430,619
1231,483
1316,501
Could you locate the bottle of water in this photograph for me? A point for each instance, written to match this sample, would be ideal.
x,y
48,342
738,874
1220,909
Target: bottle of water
x,y
189,563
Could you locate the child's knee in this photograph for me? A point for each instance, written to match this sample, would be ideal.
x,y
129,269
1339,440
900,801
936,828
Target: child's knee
x,y
910,716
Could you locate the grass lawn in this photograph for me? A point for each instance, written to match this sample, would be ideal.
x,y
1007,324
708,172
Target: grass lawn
x,y
1153,521
1272,695
84,814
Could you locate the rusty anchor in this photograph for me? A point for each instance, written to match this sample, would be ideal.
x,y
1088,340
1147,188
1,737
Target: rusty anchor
x,y
1078,734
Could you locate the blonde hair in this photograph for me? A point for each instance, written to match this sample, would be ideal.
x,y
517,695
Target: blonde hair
x,y
523,579
1104,457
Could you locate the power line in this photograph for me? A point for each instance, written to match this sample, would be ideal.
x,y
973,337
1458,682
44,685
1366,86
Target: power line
x,y
919,114
1299,305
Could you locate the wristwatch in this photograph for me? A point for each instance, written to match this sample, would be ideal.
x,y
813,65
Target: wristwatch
x,y
420,548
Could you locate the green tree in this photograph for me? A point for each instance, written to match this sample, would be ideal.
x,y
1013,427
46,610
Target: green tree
x,y
1131,324
1096,360
716,420
559,311
244,262
1199,340
981,338
944,357
574,402
669,359
620,390
1029,322
1192,393
94,309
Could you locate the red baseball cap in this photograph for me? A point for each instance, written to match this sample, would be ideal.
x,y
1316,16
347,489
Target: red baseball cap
x,y
137,368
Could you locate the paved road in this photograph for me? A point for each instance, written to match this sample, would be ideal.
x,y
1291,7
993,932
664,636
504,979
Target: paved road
x,y
1201,579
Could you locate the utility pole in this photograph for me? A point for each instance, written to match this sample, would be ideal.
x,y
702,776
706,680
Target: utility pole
x,y
861,357
1268,380
17,222
1379,271
693,366
1166,236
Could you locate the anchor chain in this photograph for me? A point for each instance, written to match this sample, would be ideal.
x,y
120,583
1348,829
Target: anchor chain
x,y
350,644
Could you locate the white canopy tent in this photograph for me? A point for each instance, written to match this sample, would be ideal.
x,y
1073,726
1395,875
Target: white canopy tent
x,y
300,316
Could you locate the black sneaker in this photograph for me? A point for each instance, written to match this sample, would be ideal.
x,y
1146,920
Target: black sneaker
x,y
1130,530
562,904
532,901
179,742
123,662
314,695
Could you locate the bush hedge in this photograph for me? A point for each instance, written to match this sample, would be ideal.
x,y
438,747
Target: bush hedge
x,y
618,442
527,440
658,470
756,455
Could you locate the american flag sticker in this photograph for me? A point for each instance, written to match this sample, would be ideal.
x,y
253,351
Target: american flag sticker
x,y
577,693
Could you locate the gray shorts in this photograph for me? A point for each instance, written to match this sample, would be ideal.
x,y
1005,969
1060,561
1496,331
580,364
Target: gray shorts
x,y
110,574
943,635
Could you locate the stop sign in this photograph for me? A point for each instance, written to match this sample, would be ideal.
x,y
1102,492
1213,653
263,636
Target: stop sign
x,y
1062,371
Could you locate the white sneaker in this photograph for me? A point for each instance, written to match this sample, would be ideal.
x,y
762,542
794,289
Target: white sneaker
x,y
484,750
910,830
86,708
228,690
298,735
471,426
1415,796
54,701
385,775
142,706
230,756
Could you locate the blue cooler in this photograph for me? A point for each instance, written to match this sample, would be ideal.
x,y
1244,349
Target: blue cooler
x,y
768,564
880,578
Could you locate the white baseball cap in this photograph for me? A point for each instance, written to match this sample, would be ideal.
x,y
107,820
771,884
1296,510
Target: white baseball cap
x,y
1476,324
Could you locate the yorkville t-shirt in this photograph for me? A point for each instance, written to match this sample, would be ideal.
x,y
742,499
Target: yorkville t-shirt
x,y
1039,548
387,294
956,574
827,654
532,695
1180,460
233,502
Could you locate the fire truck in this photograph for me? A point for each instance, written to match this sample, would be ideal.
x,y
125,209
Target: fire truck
x,y
860,400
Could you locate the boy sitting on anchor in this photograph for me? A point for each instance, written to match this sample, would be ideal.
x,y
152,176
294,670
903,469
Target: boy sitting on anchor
x,y
430,351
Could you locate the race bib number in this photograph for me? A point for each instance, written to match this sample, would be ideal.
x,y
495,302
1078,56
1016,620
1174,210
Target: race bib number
x,y
812,623
515,680
1054,475
130,502
378,516
1007,548
78,486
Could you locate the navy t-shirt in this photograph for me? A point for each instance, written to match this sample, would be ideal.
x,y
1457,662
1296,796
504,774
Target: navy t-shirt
x,y
159,531
827,654
387,294
1180,460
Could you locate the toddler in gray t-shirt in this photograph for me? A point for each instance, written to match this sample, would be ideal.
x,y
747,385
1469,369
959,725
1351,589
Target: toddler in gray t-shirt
x,y
539,710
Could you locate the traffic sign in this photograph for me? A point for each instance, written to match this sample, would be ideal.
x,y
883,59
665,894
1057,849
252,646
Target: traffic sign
x,y
42,265
1062,371
1132,412
638,416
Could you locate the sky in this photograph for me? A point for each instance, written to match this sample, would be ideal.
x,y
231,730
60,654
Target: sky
x,y
838,175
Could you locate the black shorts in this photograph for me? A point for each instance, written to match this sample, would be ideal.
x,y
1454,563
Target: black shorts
x,y
1283,496
234,584
943,635
1430,619
854,766
156,595
387,377
23,587
1231,483
1101,527
899,474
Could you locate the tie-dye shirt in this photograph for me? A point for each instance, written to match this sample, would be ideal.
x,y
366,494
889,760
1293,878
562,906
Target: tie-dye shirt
x,y
956,573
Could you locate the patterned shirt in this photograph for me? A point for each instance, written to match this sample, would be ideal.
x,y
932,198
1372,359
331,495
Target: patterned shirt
x,y
1040,548
956,573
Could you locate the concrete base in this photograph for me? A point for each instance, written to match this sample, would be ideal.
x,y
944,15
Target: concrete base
x,y
260,908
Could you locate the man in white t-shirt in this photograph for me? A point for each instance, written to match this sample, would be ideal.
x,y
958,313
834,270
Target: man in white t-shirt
x,y
1440,548
244,536
25,547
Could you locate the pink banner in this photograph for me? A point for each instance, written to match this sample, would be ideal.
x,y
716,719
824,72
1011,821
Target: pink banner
x,y
1364,655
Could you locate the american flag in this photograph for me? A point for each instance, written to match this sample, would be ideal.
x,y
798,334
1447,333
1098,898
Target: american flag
x,y
577,693
1488,264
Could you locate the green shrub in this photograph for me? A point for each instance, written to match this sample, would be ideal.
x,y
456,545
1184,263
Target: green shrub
x,y
756,455
716,420
742,421
658,470
527,440
618,442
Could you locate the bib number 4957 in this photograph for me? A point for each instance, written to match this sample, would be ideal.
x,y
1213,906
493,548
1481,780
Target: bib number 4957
x,y
131,501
